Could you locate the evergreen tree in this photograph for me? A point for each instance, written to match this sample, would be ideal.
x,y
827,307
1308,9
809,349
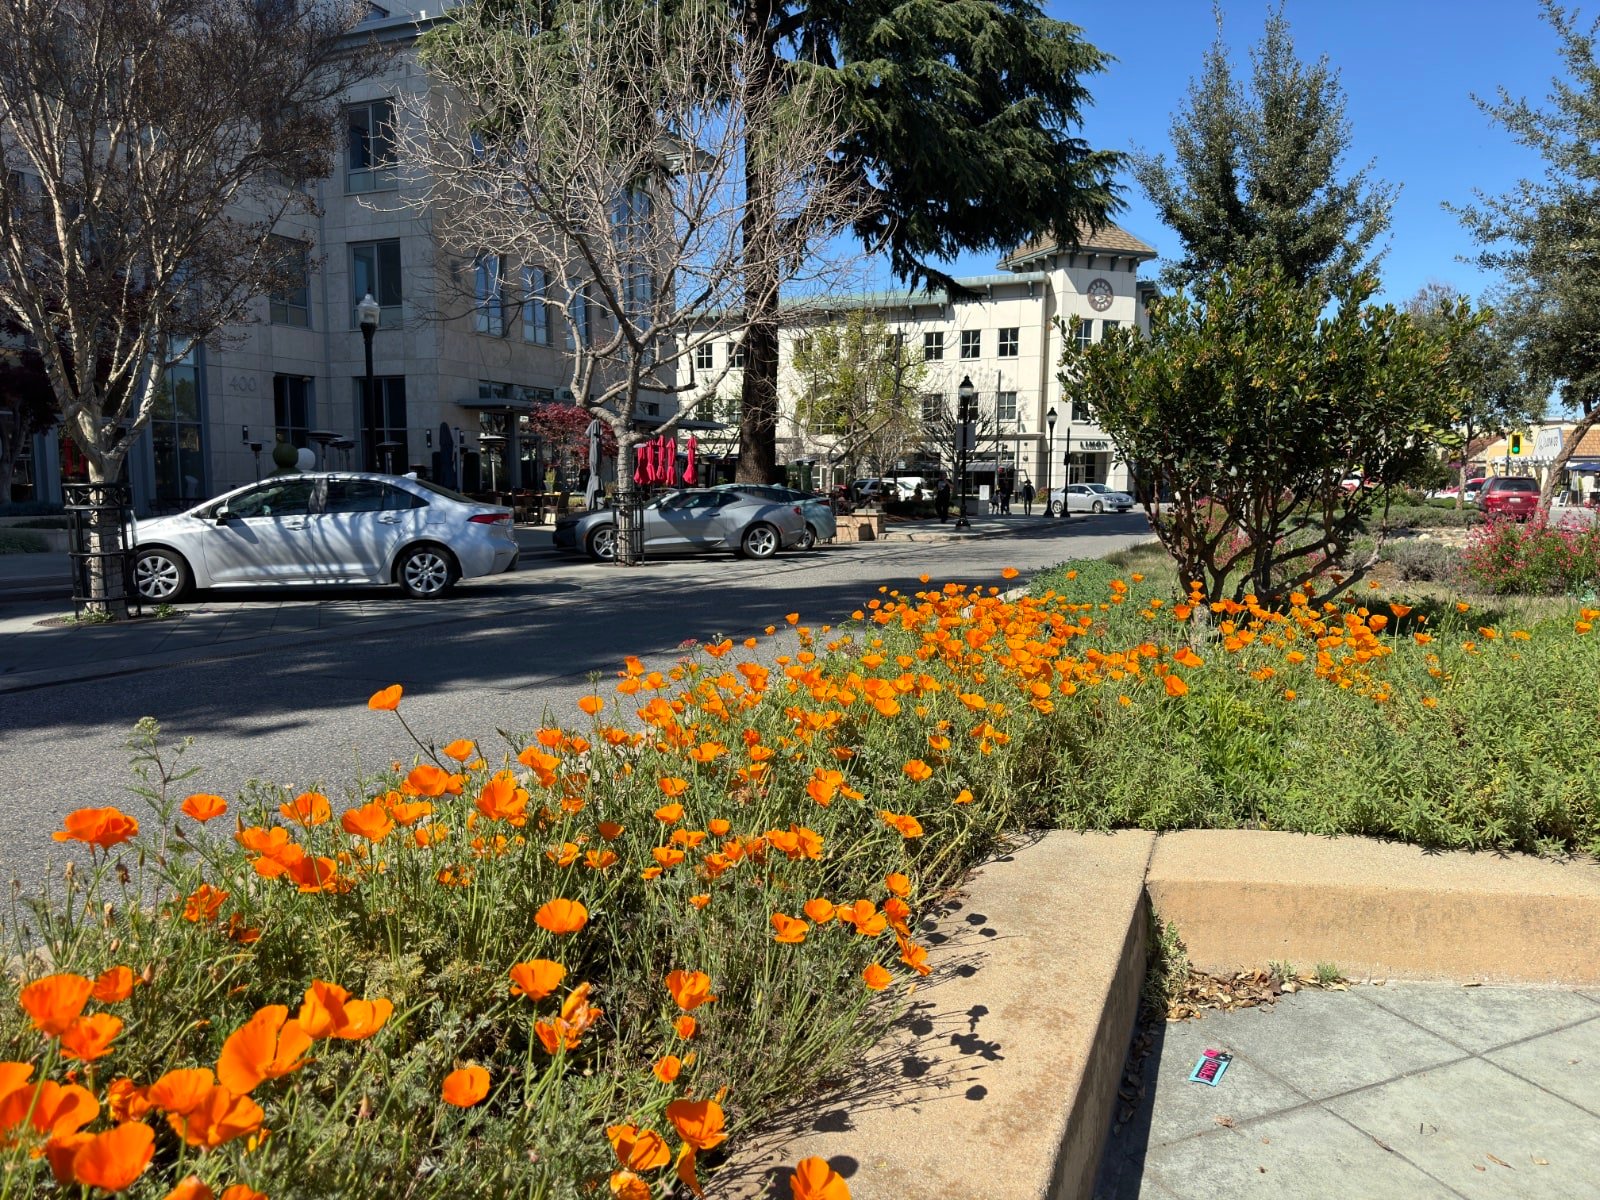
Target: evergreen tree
x,y
1544,235
1257,172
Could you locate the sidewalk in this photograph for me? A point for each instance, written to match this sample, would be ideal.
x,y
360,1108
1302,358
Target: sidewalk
x,y
30,575
911,530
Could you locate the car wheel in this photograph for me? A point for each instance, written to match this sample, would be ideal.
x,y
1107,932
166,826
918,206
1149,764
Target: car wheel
x,y
602,544
808,540
759,541
160,576
1055,508
1097,507
426,571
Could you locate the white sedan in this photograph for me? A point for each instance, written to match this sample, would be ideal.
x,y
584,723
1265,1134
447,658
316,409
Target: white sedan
x,y
1090,498
335,528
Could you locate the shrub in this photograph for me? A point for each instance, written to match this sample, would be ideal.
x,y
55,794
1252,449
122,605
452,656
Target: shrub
x,y
16,541
1427,516
1532,559
1416,560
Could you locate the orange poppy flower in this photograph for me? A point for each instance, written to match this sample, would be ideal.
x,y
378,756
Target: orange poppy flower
x,y
625,1185
328,1011
308,808
876,977
461,749
815,1179
315,874
819,910
114,1159
501,799
685,1027
915,957
898,884
409,813
684,1168
51,1108
1175,686
700,900
114,985
425,779
690,989
202,806
203,903
917,771
718,826
264,1047
599,860
371,821
192,1188
14,1075
591,705
181,1091
667,1068
126,1101
667,856
902,823
1009,573
610,830
387,700
220,1117
962,797
55,1001
240,1191
1186,657
561,916
638,1149
89,1038
790,931
100,827
672,786
536,978
59,1153
465,1086
698,1122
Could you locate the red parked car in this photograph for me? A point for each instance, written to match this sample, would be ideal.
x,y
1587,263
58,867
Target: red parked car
x,y
1514,496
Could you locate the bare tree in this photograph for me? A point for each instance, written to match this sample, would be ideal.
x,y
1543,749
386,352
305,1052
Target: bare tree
x,y
150,148
592,150
857,387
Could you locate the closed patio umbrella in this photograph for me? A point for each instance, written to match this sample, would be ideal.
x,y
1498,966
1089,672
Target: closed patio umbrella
x,y
591,493
688,465
671,447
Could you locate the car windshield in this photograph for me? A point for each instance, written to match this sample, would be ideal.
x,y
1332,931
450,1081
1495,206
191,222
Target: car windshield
x,y
437,490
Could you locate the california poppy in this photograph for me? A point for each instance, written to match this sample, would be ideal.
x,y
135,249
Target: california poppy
x,y
690,989
371,821
220,1117
667,1068
465,1086
55,1001
89,1038
192,1188
114,985
100,827
876,977
461,749
51,1108
387,700
202,806
625,1185
240,1191
561,916
790,932
685,1026
114,1159
819,910
181,1091
14,1075
536,978
264,1047
591,705
1175,686
815,1179
203,903
59,1152
897,883
638,1149
502,799
308,808
698,1122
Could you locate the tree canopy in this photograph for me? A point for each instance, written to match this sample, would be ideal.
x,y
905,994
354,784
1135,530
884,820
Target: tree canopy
x,y
1258,168
858,385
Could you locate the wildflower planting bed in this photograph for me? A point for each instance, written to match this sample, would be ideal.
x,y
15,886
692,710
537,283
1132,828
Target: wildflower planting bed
x,y
574,961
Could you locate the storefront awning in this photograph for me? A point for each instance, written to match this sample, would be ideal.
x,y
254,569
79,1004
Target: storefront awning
x,y
499,404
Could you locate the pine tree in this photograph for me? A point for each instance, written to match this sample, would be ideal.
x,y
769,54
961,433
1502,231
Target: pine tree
x,y
1257,172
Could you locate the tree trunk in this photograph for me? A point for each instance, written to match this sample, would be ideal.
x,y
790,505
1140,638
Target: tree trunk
x,y
758,420
1568,445
103,578
7,476
626,512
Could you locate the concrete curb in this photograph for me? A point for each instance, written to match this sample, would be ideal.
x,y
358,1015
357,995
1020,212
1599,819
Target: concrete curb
x,y
1035,1012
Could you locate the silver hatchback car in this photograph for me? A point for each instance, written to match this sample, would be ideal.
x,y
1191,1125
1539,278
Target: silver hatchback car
x,y
325,528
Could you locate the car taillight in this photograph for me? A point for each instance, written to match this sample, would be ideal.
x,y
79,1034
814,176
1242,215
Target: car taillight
x,y
490,519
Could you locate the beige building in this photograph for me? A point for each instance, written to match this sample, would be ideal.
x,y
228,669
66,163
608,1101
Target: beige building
x,y
458,358
1003,336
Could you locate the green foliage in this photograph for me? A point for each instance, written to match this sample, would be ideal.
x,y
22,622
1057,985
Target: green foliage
x,y
15,541
1167,970
859,385
1249,402
1258,171
1441,514
1416,561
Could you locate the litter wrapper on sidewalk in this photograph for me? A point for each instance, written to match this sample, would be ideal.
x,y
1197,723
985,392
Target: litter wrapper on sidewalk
x,y
1208,1070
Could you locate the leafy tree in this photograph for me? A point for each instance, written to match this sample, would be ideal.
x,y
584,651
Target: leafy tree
x,y
859,387
1258,170
1253,397
959,133
149,150
1544,235
1490,389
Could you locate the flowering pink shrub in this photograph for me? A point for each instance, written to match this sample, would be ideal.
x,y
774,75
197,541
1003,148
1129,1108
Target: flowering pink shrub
x,y
1535,558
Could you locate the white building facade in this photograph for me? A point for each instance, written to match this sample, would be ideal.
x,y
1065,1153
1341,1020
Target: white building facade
x,y
1002,335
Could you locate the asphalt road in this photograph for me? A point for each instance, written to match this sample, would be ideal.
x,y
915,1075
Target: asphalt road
x,y
288,704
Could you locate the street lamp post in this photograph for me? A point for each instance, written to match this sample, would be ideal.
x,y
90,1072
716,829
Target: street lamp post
x,y
1049,457
367,314
966,403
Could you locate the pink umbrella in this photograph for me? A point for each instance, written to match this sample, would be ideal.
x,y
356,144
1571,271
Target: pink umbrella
x,y
641,474
657,468
688,466
671,447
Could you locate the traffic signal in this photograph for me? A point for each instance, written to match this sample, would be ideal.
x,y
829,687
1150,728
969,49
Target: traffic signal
x,y
1516,443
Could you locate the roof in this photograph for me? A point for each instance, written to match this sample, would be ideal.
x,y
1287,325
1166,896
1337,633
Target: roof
x,y
1102,239
908,297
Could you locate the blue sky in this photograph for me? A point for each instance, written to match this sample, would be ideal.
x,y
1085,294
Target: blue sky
x,y
1409,69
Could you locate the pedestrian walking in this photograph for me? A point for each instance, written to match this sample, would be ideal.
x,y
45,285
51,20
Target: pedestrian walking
x,y
1005,499
1027,497
941,500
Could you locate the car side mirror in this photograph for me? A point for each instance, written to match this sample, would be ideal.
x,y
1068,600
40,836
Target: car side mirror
x,y
221,515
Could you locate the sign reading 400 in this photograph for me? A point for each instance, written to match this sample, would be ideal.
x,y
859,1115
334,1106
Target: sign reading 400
x,y
243,383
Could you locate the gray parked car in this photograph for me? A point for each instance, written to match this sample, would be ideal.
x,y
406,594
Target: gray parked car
x,y
695,519
1090,498
820,523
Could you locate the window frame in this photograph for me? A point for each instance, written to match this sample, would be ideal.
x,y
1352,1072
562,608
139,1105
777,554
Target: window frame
x,y
281,307
390,315
971,343
1009,344
488,294
535,309
378,146
933,345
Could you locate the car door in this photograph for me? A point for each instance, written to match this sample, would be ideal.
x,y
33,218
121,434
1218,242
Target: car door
x,y
357,532
685,520
260,536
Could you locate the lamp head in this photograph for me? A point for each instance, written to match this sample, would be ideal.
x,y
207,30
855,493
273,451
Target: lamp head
x,y
368,312
1050,420
966,391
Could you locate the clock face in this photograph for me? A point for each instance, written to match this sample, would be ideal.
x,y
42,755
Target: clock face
x,y
1100,295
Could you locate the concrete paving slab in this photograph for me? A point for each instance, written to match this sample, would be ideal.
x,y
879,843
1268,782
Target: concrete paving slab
x,y
1333,1042
1480,1018
997,1085
1307,1154
1450,1121
1566,1062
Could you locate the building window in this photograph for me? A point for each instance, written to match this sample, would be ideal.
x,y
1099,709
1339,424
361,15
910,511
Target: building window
x,y
175,434
705,356
1080,412
292,305
489,390
639,297
1084,334
932,347
369,133
971,343
1008,343
932,408
535,313
1005,407
375,269
1107,326
736,355
490,317
383,423
292,408
579,316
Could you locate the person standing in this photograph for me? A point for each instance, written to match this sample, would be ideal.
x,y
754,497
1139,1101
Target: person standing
x,y
1027,497
1005,497
941,500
